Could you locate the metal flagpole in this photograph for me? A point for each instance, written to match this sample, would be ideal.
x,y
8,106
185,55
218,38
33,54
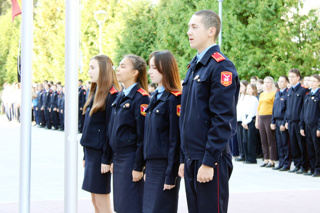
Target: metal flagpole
x,y
220,15
71,112
25,128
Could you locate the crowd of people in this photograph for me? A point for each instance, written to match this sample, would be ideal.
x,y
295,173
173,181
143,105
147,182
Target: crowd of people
x,y
280,121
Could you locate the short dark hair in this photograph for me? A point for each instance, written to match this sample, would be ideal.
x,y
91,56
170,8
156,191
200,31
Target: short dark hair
x,y
260,81
244,82
80,80
316,76
210,19
254,77
285,77
153,85
295,71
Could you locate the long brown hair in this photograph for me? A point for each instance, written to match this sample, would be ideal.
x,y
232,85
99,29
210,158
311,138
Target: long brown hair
x,y
139,64
100,90
254,89
167,65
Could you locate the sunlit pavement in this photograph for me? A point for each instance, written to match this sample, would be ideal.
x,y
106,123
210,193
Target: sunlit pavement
x,y
252,189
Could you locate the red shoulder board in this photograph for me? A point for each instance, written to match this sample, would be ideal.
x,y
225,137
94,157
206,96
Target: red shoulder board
x,y
176,93
143,92
188,66
218,57
113,90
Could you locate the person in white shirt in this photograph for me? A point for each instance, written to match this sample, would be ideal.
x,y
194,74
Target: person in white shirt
x,y
240,110
248,123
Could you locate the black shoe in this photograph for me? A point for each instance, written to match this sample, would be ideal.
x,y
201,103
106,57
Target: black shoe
x,y
316,175
309,173
248,162
239,159
284,169
264,164
294,170
277,168
270,165
302,171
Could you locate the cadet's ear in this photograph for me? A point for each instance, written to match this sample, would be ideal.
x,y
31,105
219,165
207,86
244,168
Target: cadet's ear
x,y
135,73
211,31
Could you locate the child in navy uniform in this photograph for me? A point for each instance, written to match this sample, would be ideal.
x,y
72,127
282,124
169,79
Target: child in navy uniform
x,y
161,145
126,135
310,125
97,153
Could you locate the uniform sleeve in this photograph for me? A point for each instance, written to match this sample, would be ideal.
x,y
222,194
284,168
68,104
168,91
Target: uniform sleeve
x,y
174,143
222,106
139,163
107,151
273,120
302,123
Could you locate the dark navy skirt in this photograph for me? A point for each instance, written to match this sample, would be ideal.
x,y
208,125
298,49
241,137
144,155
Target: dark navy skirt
x,y
93,180
156,200
127,195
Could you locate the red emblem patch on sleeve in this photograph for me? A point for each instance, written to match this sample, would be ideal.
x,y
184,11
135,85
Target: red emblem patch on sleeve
x,y
226,78
143,109
178,109
218,57
176,93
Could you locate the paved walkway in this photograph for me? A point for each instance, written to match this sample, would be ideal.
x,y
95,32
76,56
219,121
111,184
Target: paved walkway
x,y
252,189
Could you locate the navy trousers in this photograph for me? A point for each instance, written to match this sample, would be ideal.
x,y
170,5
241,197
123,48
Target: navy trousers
x,y
313,145
282,138
298,146
210,197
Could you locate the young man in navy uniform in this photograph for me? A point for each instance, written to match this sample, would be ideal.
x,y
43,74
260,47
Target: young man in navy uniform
x,y
208,117
82,101
294,103
54,115
278,124
45,106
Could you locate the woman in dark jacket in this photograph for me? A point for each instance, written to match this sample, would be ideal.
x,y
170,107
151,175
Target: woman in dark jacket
x,y
97,153
126,135
162,136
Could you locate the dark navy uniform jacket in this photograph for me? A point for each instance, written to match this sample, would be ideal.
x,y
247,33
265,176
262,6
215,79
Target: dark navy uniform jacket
x,y
294,103
46,98
310,114
126,126
95,128
61,101
208,107
279,106
54,100
82,97
161,134
39,99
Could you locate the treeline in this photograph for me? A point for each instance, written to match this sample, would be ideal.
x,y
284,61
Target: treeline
x,y
261,37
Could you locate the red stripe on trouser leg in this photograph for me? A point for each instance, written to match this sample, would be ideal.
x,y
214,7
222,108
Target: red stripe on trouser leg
x,y
218,195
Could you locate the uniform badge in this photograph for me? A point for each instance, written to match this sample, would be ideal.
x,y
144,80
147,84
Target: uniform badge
x,y
281,99
143,109
126,105
218,57
226,78
195,78
178,109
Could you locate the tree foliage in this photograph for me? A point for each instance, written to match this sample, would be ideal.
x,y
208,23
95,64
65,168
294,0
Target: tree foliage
x,y
261,37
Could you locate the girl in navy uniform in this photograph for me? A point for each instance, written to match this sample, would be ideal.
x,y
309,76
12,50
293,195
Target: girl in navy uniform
x,y
161,137
97,153
126,134
310,125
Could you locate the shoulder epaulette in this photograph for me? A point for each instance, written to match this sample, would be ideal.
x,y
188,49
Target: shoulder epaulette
x,y
304,86
113,90
176,93
218,57
143,92
188,66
